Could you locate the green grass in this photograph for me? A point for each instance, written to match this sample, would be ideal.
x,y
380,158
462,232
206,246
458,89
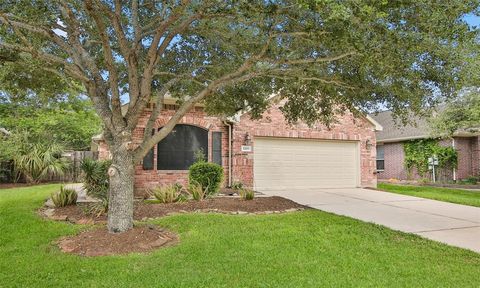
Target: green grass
x,y
303,249
458,196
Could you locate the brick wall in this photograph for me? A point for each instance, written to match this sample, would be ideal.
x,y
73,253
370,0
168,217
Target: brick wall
x,y
394,158
476,156
271,125
197,117
468,163
464,147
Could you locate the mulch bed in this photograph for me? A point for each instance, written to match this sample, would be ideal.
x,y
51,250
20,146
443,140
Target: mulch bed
x,y
100,242
143,211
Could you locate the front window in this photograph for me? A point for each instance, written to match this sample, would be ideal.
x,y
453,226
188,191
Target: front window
x,y
177,150
380,158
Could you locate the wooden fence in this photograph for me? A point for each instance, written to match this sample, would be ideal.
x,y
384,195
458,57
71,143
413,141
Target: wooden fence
x,y
73,174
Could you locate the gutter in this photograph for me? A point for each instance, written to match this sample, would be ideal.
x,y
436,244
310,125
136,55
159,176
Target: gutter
x,y
229,153
454,170
400,139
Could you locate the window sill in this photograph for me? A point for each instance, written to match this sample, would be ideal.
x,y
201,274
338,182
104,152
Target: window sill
x,y
172,171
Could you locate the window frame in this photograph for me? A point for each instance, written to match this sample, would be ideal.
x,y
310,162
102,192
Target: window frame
x,y
380,159
206,150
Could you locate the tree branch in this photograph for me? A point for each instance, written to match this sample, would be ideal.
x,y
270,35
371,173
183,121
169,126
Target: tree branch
x,y
110,64
236,76
315,60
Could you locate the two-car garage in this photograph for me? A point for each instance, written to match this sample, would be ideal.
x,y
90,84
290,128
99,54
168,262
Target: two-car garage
x,y
283,163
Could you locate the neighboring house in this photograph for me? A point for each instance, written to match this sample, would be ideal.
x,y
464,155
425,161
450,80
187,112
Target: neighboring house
x,y
390,153
263,154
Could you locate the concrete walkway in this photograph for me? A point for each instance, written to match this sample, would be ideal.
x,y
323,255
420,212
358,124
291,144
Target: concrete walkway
x,y
453,224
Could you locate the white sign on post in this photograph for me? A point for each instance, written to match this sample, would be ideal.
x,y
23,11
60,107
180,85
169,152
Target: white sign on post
x,y
432,162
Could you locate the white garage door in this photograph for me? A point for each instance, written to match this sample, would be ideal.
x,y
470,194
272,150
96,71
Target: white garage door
x,y
281,163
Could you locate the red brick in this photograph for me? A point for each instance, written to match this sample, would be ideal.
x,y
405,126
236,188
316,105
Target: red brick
x,y
272,124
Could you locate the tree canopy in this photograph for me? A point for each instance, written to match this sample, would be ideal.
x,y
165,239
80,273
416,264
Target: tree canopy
x,y
323,56
70,124
461,115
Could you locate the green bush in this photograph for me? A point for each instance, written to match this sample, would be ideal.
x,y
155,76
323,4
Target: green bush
x,y
169,194
38,161
95,177
208,175
246,194
96,183
98,208
424,181
64,197
197,192
237,185
418,151
470,180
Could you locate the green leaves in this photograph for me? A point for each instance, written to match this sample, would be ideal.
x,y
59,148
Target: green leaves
x,y
69,122
461,115
337,54
37,161
417,153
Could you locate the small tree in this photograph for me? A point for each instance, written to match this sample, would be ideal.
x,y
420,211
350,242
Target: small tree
x,y
324,57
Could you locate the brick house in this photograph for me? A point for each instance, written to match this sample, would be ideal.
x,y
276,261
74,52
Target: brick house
x,y
390,154
262,154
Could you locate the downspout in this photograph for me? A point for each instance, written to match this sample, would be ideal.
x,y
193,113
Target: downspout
x,y
454,170
229,153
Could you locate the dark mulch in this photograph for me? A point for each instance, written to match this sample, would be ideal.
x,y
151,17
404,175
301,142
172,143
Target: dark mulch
x,y
100,242
222,204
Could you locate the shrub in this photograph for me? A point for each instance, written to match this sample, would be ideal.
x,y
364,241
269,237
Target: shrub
x,y
471,180
246,194
39,161
95,177
423,181
199,156
237,185
98,208
64,197
197,192
96,183
169,194
206,175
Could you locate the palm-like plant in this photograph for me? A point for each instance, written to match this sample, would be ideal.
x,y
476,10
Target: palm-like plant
x,y
38,161
95,177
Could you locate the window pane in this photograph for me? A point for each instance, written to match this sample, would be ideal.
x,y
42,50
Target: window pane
x,y
148,159
176,151
217,147
380,165
380,152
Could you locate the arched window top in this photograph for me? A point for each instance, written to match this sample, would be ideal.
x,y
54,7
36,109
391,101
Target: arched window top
x,y
177,150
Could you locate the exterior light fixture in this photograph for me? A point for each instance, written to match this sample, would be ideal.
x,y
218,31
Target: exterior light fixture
x,y
368,144
248,139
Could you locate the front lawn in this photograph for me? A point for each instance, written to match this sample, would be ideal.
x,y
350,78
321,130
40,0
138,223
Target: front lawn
x,y
300,249
458,196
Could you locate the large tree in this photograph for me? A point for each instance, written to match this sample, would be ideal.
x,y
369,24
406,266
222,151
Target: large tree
x,y
323,56
459,116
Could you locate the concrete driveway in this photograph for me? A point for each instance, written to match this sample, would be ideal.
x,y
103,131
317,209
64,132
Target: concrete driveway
x,y
453,224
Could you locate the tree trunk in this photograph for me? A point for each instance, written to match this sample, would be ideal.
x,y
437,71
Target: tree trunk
x,y
120,202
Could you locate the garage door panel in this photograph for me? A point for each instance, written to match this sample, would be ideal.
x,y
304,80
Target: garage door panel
x,y
292,163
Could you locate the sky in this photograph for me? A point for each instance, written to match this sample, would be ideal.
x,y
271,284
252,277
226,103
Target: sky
x,y
472,20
